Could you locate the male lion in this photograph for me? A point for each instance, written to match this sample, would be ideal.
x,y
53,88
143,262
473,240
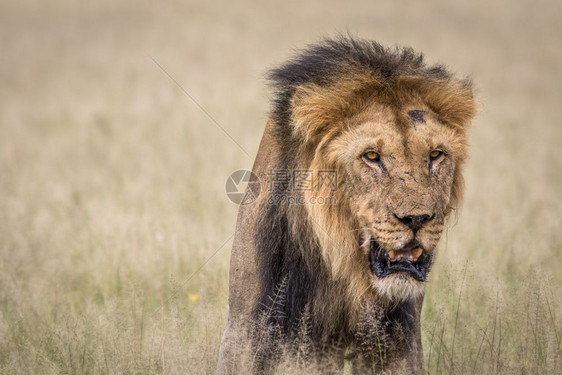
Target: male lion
x,y
360,165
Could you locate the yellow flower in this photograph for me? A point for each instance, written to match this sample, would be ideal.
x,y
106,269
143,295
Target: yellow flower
x,y
194,297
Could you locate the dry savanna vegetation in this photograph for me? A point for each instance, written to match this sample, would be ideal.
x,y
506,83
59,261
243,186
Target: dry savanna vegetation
x,y
115,229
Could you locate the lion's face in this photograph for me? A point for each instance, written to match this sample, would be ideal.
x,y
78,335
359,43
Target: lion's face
x,y
397,179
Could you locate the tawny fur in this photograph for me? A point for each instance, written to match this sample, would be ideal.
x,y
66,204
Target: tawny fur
x,y
333,103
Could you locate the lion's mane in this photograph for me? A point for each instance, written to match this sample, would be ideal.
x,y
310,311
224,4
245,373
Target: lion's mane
x,y
313,93
306,255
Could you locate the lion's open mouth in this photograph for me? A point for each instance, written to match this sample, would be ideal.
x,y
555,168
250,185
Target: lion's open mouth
x,y
411,259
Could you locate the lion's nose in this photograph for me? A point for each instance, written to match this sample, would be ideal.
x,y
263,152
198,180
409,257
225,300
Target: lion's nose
x,y
414,222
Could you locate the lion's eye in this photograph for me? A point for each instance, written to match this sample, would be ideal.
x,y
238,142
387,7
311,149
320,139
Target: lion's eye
x,y
435,154
371,156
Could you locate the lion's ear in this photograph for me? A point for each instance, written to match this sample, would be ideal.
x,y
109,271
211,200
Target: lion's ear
x,y
316,108
453,100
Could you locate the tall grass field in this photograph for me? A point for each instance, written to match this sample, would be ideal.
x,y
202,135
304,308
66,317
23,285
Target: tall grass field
x,y
120,122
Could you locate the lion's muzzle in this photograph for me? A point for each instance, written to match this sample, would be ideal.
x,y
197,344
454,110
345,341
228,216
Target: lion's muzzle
x,y
409,260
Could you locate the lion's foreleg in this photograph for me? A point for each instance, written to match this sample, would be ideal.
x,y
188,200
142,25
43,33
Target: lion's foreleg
x,y
234,353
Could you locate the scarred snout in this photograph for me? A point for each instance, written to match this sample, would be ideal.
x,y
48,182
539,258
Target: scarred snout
x,y
414,221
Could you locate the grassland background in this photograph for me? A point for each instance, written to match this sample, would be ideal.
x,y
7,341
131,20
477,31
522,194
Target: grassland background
x,y
112,179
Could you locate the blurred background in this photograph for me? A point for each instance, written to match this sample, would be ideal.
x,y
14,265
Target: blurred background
x,y
116,119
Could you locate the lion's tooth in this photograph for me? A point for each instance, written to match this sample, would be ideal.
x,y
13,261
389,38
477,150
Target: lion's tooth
x,y
391,254
417,252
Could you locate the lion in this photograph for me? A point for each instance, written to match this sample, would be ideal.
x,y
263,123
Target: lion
x,y
360,165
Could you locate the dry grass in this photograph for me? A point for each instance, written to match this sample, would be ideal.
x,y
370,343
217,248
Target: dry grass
x,y
112,179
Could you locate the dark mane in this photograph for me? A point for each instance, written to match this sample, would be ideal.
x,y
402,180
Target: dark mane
x,y
290,283
327,62
294,278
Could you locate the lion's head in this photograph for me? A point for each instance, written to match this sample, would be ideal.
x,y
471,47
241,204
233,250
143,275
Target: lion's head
x,y
393,129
